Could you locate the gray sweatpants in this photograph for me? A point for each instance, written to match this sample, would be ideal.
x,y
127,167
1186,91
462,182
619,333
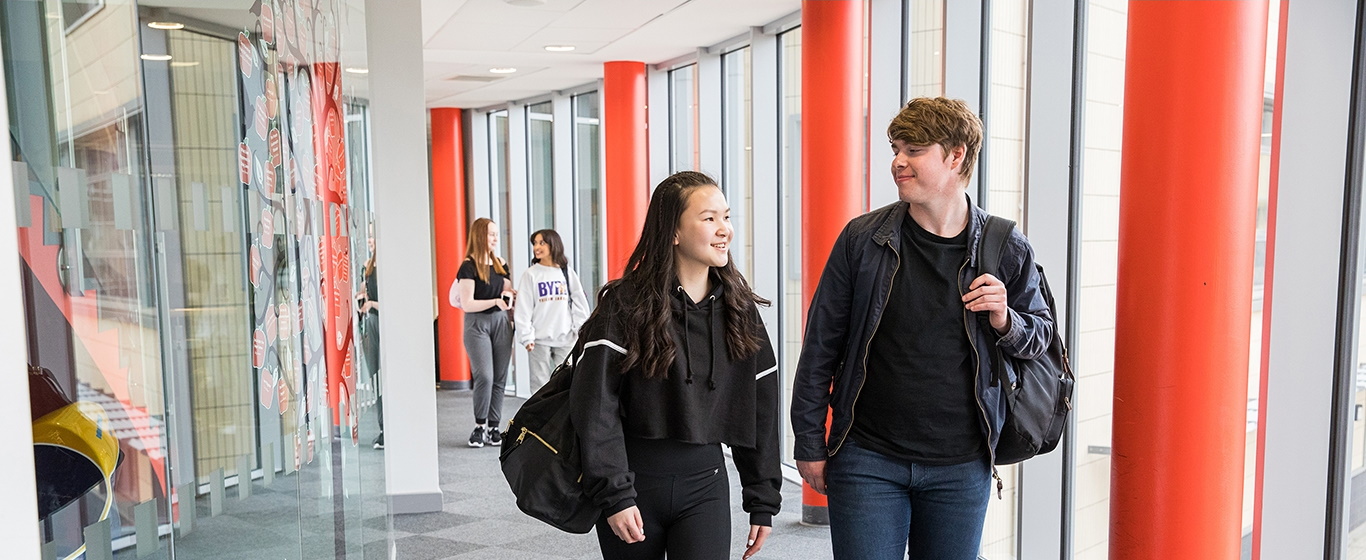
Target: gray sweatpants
x,y
543,361
488,341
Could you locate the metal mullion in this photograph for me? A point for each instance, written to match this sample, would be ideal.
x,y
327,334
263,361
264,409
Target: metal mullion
x,y
1345,371
1072,291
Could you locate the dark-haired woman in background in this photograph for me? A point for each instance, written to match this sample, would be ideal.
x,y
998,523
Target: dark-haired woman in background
x,y
486,294
674,362
552,309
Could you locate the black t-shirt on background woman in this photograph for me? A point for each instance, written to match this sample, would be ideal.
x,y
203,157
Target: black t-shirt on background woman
x,y
484,290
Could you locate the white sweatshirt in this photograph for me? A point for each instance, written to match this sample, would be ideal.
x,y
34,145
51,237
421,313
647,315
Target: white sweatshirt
x,y
544,313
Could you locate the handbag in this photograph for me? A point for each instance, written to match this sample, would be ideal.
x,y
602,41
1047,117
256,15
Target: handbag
x,y
540,457
1038,391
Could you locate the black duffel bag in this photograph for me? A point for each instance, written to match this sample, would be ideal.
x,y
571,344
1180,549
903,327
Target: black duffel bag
x,y
540,457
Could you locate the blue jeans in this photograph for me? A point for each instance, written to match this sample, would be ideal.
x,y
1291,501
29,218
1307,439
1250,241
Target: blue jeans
x,y
872,498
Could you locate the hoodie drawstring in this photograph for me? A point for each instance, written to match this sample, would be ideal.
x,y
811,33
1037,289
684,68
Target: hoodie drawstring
x,y
711,342
687,348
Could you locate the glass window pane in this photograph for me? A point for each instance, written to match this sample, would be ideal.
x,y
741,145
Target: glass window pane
x,y
498,168
926,48
1095,313
590,220
1003,169
540,159
683,119
736,110
791,302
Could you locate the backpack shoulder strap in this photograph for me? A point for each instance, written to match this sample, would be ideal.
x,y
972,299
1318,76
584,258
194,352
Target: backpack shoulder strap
x,y
993,245
567,290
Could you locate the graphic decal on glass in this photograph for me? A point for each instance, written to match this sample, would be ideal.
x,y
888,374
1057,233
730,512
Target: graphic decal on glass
x,y
292,157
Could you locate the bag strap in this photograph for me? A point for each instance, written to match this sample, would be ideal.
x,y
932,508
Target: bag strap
x,y
993,245
567,290
989,251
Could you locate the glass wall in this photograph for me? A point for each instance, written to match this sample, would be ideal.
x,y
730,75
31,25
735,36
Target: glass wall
x,y
540,172
737,163
1095,314
926,48
683,141
185,235
502,195
1002,170
791,302
1355,489
590,221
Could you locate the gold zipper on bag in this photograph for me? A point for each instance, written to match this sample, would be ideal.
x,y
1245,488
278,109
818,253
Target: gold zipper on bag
x,y
525,432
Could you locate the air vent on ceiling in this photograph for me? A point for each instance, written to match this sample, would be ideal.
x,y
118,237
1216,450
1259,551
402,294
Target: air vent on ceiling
x,y
480,79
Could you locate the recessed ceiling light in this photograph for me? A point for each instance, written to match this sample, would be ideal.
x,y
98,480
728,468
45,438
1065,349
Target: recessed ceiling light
x,y
156,57
502,70
187,63
357,70
559,48
525,2
166,25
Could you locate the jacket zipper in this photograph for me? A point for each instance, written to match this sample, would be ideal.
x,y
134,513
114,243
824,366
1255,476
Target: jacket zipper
x,y
866,347
976,389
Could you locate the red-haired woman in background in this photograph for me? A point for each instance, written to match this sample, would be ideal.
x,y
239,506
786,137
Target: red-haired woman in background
x,y
486,294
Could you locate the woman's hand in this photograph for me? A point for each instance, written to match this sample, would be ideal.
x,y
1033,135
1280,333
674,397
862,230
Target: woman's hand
x,y
627,525
757,535
530,345
502,304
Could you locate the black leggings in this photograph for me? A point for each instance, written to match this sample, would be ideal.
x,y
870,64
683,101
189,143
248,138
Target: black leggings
x,y
683,492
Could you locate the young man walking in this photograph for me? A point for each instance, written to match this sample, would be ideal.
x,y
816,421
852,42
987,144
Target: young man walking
x,y
901,340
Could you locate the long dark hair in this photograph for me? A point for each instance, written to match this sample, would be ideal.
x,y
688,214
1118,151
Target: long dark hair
x,y
556,245
642,297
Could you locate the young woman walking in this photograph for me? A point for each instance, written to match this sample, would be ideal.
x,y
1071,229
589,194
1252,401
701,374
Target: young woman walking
x,y
553,307
676,361
486,295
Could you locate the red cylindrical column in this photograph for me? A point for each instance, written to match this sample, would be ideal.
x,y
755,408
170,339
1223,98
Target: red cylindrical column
x,y
627,159
832,148
1187,216
448,208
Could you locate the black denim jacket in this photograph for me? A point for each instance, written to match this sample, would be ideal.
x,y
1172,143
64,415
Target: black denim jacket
x,y
848,305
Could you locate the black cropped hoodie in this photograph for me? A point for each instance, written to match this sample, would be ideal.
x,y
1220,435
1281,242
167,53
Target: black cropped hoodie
x,y
706,398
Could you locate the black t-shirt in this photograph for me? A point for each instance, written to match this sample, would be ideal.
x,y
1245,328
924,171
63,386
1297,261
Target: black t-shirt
x,y
918,402
493,289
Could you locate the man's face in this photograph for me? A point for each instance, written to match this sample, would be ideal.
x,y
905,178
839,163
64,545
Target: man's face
x,y
925,174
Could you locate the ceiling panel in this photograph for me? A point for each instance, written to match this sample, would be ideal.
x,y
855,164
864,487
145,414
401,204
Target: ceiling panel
x,y
435,13
481,37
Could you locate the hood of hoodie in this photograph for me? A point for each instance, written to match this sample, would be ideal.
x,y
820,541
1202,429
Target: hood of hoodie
x,y
703,334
